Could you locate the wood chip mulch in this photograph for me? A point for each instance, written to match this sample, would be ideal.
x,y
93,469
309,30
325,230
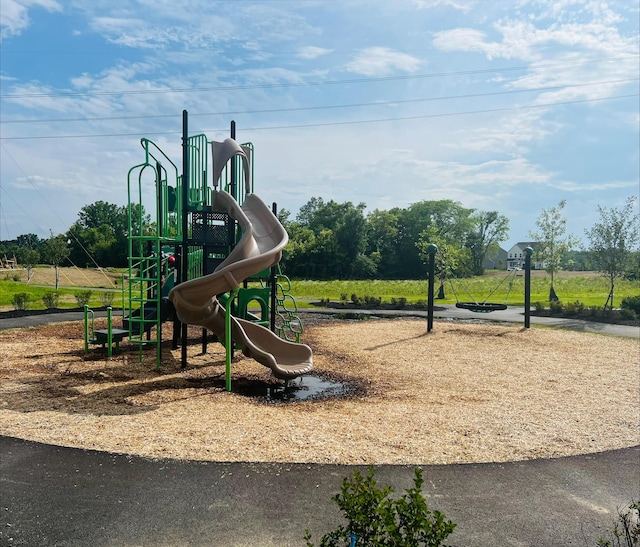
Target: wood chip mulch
x,y
467,392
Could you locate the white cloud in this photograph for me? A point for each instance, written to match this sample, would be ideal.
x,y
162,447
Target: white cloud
x,y
15,14
381,61
462,5
312,52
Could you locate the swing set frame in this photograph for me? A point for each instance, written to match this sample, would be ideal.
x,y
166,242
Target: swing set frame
x,y
484,306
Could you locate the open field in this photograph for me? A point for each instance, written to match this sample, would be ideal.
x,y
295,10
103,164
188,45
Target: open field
x,y
590,288
72,280
463,393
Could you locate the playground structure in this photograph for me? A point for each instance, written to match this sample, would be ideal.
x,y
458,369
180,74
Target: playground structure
x,y
193,252
8,263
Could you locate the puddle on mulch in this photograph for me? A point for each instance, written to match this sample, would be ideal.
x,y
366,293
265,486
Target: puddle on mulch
x,y
305,388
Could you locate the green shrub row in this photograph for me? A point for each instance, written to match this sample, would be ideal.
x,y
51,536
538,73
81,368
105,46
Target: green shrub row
x,y
629,309
50,299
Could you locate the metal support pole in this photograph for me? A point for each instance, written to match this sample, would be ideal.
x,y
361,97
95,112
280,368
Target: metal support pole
x,y
431,251
527,287
109,333
86,328
228,339
185,224
273,304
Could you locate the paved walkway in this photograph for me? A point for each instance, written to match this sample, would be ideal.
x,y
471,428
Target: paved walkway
x,y
52,495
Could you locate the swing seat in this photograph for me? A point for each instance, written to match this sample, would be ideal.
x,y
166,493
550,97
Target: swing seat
x,y
481,307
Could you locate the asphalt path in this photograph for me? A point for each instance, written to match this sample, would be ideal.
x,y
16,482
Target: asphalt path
x,y
52,495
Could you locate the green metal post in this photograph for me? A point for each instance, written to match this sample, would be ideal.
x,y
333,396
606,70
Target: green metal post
x,y
527,287
431,251
86,328
228,339
109,332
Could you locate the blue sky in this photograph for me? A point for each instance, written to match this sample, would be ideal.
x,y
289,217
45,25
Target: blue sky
x,y
509,106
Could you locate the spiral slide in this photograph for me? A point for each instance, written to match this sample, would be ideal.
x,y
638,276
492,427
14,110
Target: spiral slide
x,y
196,303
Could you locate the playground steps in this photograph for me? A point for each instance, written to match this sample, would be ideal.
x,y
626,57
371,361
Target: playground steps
x,y
101,336
145,318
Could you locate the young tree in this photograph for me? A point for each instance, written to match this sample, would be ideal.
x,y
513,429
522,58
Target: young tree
x,y
450,258
551,245
55,250
29,258
612,242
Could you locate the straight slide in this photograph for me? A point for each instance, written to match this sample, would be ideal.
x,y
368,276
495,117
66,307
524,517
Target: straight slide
x,y
261,245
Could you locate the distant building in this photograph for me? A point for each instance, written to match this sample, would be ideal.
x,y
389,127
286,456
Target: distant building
x,y
495,260
516,256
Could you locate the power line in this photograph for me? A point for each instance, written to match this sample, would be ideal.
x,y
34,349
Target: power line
x,y
326,107
351,122
239,87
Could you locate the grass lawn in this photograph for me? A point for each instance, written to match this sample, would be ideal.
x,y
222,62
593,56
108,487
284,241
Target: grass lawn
x,y
587,287
590,288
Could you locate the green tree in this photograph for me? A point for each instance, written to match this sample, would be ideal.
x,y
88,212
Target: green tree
x,y
552,244
490,228
612,242
450,260
382,235
55,251
29,258
339,234
32,241
449,219
99,236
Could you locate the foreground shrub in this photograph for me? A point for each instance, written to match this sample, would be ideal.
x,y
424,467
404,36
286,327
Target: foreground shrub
x,y
626,532
20,301
375,520
50,300
83,297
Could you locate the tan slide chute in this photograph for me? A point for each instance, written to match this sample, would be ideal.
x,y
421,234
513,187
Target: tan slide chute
x,y
196,303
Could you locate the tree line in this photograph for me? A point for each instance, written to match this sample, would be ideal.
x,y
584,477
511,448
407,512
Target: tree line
x,y
331,240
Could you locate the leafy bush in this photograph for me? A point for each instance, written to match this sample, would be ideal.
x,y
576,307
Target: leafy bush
x,y
20,301
628,315
356,299
556,306
376,520
50,300
352,315
538,306
106,298
626,531
83,297
372,301
631,303
343,298
574,308
595,311
399,302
